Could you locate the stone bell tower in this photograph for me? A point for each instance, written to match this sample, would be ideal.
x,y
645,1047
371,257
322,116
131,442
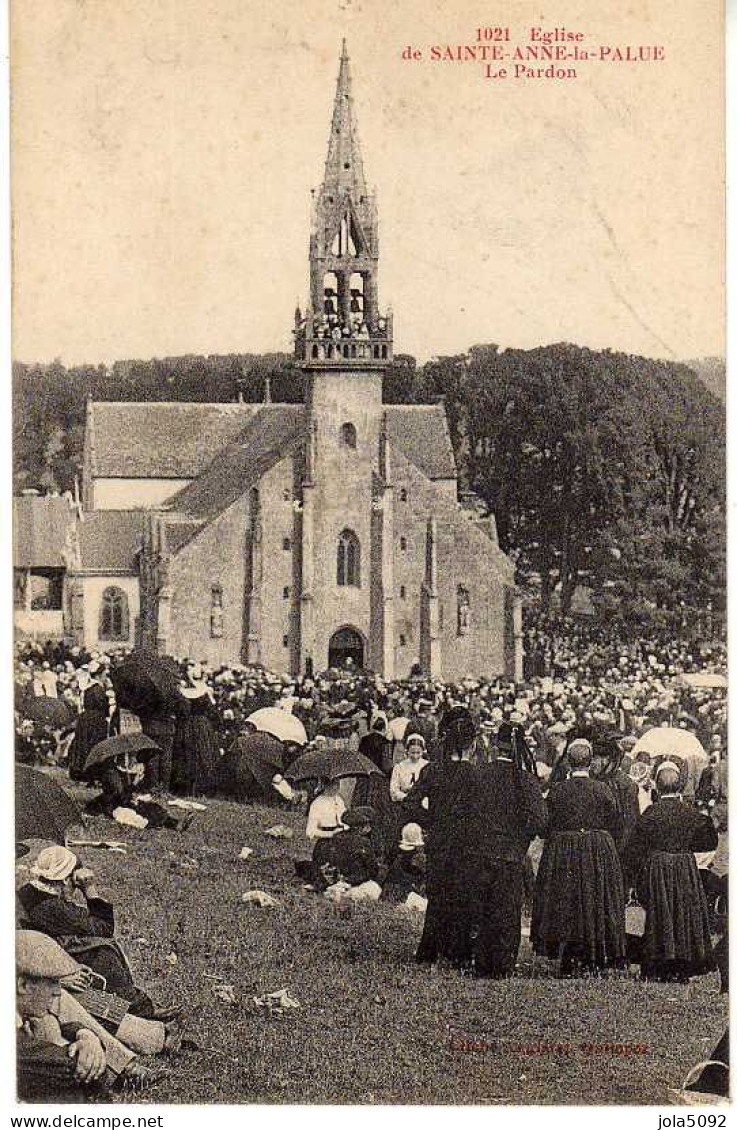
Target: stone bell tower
x,y
344,344
342,322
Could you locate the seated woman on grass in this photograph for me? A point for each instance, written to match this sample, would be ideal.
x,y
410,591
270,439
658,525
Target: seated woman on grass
x,y
63,901
347,856
324,817
119,779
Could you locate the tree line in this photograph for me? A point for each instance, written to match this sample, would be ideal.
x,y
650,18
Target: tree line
x,y
601,468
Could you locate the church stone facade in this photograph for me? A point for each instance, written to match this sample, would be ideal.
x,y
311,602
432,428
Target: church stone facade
x,y
298,536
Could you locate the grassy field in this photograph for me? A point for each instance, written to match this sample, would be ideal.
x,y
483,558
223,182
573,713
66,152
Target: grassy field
x,y
372,1027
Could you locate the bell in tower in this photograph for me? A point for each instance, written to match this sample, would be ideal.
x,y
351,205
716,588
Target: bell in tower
x,y
343,322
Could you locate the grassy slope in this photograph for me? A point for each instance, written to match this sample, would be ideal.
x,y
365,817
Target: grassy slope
x,y
372,1027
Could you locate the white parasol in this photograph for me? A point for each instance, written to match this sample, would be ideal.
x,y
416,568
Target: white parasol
x,y
286,727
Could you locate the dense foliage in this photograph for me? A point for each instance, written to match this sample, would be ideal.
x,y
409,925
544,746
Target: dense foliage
x,y
601,468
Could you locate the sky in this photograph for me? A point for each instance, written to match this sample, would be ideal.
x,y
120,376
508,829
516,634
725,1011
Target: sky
x,y
163,153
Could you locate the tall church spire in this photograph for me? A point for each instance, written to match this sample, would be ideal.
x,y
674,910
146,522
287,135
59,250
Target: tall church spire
x,y
342,322
344,164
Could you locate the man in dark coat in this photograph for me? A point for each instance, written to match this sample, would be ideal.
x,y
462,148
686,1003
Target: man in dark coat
x,y
440,802
506,813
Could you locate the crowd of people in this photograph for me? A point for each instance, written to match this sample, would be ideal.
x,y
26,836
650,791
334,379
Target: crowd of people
x,y
449,786
584,676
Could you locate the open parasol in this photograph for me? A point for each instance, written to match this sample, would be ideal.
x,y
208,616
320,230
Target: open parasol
x,y
43,811
280,724
668,742
331,765
140,746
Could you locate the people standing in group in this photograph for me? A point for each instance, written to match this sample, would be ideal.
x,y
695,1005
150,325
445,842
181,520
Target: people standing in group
x,y
578,908
406,772
660,864
641,774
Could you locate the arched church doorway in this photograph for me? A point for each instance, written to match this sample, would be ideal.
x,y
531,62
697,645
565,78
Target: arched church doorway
x,y
345,644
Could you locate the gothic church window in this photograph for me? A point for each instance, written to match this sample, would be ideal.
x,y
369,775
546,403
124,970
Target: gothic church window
x,y
348,435
403,544
403,494
114,616
349,559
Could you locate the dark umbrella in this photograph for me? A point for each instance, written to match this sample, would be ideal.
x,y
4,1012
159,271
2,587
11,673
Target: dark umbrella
x,y
56,713
250,764
331,765
144,681
107,750
43,811
263,755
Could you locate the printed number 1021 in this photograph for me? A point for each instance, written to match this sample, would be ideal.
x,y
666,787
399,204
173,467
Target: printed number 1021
x,y
492,34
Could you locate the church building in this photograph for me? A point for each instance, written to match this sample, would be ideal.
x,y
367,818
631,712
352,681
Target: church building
x,y
298,536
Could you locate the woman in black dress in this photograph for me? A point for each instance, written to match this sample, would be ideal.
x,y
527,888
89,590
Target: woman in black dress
x,y
196,750
92,726
578,908
448,785
373,791
607,768
660,864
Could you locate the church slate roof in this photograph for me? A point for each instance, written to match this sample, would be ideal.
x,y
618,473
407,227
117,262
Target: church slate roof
x,y
160,440
109,540
179,440
259,446
41,525
421,433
